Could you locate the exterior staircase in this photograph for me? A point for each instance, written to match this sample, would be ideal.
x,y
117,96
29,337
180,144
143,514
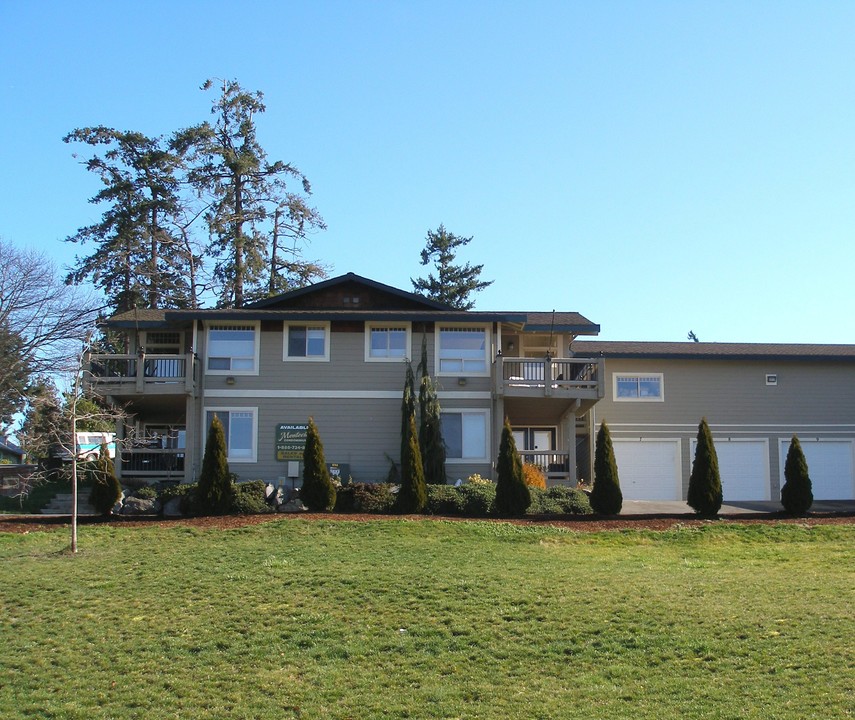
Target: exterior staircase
x,y
61,504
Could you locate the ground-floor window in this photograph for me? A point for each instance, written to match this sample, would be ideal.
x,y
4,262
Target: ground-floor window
x,y
466,434
240,427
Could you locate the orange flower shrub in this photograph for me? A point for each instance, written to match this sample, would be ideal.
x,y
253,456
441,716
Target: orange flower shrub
x,y
534,476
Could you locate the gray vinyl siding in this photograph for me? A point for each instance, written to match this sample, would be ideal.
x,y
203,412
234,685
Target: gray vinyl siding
x,y
812,399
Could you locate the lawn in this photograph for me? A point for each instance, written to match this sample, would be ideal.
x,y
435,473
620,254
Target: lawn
x,y
428,619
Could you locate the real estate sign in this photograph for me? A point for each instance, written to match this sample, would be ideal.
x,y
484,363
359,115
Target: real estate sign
x,y
290,441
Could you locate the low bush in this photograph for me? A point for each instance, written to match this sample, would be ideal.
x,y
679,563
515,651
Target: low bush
x,y
146,492
188,492
443,500
373,498
559,500
249,498
533,476
477,500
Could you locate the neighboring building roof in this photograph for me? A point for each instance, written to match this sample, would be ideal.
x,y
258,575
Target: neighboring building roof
x,y
10,448
708,350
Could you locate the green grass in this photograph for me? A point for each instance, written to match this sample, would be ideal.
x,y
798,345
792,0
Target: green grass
x,y
428,619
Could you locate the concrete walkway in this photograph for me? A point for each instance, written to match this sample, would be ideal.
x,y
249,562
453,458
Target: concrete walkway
x,y
679,507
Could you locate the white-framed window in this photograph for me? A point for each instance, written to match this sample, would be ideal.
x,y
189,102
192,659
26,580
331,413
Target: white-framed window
x,y
466,435
240,425
307,342
462,349
643,387
232,349
387,342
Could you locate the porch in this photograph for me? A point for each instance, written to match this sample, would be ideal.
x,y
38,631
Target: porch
x,y
151,463
157,374
574,378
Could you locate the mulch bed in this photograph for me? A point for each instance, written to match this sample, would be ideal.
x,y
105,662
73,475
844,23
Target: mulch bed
x,y
588,523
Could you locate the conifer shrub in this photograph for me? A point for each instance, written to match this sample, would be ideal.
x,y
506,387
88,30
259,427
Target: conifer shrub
x,y
318,491
249,498
215,490
559,500
534,476
412,497
106,489
705,482
512,495
797,493
606,496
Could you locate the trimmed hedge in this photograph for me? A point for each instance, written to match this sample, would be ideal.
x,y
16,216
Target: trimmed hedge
x,y
559,500
248,498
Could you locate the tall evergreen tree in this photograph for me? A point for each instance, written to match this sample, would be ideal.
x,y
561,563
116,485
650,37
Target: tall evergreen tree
x,y
318,491
431,444
229,166
512,494
606,496
453,284
797,493
408,408
137,261
215,489
106,490
412,496
705,482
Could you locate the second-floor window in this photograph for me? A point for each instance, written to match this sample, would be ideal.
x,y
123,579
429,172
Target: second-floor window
x,y
232,349
462,350
386,342
307,341
648,387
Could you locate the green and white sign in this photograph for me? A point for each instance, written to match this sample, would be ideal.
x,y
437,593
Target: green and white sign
x,y
290,441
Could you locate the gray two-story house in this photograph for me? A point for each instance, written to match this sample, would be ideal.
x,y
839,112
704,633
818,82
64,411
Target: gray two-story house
x,y
336,351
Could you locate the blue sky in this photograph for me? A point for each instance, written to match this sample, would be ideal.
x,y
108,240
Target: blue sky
x,y
657,166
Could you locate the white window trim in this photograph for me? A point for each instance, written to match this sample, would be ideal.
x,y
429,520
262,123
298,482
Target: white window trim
x,y
308,358
619,375
231,409
487,434
408,346
488,340
257,333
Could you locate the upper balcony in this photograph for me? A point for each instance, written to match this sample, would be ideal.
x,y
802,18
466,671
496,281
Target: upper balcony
x,y
142,374
574,378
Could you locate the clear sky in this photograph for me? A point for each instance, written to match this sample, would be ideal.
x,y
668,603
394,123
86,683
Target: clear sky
x,y
656,166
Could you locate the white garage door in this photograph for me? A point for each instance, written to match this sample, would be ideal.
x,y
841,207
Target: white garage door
x,y
744,468
649,469
831,466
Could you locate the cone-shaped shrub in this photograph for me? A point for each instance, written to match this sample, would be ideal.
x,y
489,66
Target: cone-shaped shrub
x,y
797,493
106,490
408,408
512,495
705,481
412,497
215,491
606,497
431,444
318,492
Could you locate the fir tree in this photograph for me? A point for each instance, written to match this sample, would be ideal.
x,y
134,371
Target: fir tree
x,y
106,490
408,408
705,482
215,490
606,497
797,493
512,494
412,497
318,492
431,444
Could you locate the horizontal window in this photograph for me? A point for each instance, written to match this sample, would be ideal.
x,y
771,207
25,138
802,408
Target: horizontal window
x,y
465,434
649,387
387,342
232,349
239,426
307,342
462,350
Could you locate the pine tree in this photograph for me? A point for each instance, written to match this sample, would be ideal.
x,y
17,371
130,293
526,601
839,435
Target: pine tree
x,y
705,482
318,492
106,490
797,493
215,489
412,497
606,497
512,494
453,283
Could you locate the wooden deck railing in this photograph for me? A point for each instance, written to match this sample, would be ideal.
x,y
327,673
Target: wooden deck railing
x,y
138,372
584,375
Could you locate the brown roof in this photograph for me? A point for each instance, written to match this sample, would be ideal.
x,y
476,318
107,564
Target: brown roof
x,y
708,350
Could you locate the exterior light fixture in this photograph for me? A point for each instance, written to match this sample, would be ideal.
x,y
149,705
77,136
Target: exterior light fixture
x,y
230,380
